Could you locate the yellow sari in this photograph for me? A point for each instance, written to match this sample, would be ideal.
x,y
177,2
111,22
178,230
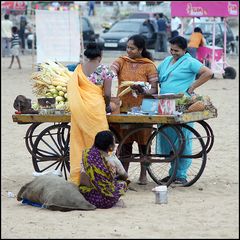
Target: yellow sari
x,y
88,117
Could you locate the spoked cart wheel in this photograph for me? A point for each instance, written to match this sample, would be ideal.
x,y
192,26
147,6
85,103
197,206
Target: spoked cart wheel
x,y
165,155
155,164
131,155
206,133
31,135
196,156
51,149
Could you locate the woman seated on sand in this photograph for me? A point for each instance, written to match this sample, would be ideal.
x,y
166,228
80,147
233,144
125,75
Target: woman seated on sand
x,y
103,178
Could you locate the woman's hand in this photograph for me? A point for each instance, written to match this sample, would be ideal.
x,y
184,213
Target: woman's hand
x,y
204,75
190,90
138,89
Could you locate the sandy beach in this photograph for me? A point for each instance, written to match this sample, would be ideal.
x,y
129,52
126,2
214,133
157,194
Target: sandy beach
x,y
207,209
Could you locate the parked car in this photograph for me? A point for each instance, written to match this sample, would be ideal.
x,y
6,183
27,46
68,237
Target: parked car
x,y
116,37
207,29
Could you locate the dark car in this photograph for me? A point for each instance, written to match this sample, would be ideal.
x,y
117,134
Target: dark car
x,y
116,37
207,29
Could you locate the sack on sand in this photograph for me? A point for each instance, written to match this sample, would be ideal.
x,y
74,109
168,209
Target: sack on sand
x,y
54,193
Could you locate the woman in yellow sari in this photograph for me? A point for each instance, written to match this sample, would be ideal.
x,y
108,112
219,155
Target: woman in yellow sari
x,y
136,66
89,93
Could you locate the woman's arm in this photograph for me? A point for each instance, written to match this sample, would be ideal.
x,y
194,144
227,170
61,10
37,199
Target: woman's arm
x,y
204,75
154,88
107,85
152,79
109,76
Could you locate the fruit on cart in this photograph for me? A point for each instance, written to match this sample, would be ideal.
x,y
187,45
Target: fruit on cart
x,y
35,106
61,105
196,107
194,103
184,100
51,81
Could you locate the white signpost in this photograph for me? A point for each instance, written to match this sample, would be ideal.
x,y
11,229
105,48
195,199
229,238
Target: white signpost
x,y
58,36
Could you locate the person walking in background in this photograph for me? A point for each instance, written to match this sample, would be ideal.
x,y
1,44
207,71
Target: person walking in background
x,y
89,93
161,41
176,24
23,24
196,40
6,35
91,11
15,47
136,66
177,74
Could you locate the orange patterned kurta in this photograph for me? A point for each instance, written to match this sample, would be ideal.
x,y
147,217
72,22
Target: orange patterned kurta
x,y
127,69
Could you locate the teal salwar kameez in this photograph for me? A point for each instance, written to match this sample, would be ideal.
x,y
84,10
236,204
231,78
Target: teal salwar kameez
x,y
177,78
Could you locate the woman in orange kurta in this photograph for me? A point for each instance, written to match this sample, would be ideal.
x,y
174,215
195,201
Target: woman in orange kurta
x,y
89,93
136,66
196,40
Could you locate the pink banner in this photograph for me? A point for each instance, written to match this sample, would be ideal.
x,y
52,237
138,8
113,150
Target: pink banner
x,y
20,5
205,9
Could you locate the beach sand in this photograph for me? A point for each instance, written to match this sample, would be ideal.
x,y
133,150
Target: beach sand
x,y
207,209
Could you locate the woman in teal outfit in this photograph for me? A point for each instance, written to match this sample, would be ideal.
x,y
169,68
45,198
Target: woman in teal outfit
x,y
177,74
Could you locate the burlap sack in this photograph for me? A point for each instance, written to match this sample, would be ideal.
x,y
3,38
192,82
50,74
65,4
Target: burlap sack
x,y
55,193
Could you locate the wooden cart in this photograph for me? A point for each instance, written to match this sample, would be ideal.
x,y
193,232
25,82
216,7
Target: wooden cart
x,y
47,140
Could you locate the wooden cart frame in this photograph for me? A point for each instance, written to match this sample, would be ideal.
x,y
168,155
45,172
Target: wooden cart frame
x,y
49,145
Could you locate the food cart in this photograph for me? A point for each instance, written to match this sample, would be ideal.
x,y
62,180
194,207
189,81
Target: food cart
x,y
213,56
47,140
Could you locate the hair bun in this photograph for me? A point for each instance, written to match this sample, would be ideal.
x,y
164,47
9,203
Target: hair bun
x,y
91,45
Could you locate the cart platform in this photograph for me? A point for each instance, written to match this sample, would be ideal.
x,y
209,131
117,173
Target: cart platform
x,y
49,145
119,118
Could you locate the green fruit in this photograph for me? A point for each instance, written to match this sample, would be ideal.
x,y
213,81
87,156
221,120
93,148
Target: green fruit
x,y
59,88
64,89
61,93
53,91
35,106
48,95
59,98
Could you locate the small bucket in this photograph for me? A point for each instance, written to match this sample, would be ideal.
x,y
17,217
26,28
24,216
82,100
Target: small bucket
x,y
160,194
